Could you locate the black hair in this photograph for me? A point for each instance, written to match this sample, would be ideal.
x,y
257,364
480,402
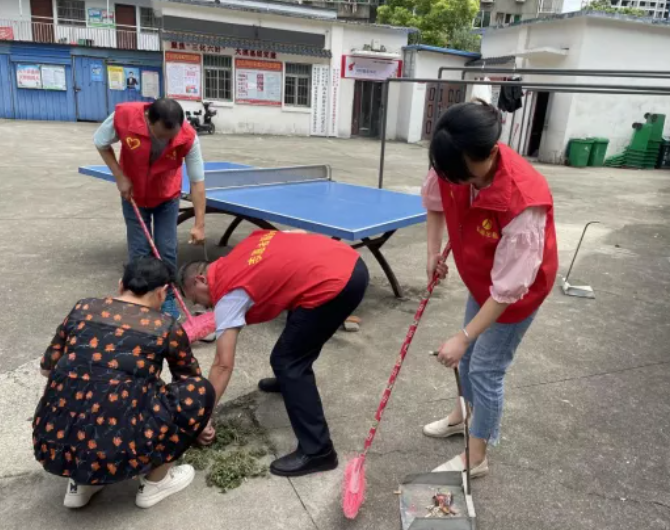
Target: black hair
x,y
167,111
471,129
143,275
190,270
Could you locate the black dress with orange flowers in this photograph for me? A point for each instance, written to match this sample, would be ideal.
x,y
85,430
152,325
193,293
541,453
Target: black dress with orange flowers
x,y
106,415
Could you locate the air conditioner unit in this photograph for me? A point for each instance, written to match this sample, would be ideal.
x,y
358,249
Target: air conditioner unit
x,y
376,45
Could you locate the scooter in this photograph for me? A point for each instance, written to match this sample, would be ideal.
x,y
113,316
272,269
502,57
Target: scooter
x,y
207,126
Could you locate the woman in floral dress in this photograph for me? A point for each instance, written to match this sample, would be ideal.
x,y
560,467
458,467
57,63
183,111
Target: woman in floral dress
x,y
106,415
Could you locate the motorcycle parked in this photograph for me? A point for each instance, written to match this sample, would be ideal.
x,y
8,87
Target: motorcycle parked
x,y
206,126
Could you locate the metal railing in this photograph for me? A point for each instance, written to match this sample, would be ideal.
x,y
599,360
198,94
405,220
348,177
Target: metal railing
x,y
75,32
550,6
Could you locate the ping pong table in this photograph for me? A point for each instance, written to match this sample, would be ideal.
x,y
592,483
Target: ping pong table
x,y
304,197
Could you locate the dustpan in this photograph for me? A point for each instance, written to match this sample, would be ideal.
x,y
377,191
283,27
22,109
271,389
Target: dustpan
x,y
417,492
580,291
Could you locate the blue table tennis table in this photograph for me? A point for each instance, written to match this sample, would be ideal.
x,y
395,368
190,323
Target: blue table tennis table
x,y
302,197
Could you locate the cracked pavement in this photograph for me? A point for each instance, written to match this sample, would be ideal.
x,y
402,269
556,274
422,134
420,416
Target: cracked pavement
x,y
586,431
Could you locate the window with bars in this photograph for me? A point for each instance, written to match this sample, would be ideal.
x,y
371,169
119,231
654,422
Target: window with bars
x,y
218,77
71,12
148,19
298,85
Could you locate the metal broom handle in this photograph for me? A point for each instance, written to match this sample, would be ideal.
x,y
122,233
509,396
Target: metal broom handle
x,y
466,413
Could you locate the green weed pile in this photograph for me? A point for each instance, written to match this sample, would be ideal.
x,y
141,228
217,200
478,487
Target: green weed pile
x,y
241,450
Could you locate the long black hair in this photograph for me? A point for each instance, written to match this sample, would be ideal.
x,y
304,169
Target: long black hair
x,y
471,129
143,275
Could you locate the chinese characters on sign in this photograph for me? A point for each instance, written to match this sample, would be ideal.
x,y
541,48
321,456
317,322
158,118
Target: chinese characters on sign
x,y
370,68
100,18
209,48
257,254
335,93
150,82
183,74
28,76
320,78
258,82
53,78
6,33
115,78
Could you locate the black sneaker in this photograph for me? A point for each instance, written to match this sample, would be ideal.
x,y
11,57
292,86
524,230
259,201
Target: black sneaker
x,y
297,463
269,385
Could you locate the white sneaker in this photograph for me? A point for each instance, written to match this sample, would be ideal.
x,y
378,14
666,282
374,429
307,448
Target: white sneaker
x,y
442,429
78,495
151,493
456,464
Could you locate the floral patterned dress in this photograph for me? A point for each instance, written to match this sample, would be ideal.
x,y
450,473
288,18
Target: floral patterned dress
x,y
106,415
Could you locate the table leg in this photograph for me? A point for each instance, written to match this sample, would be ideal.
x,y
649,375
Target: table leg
x,y
260,223
375,245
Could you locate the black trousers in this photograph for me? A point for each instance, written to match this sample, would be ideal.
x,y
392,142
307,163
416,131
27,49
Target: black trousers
x,y
299,345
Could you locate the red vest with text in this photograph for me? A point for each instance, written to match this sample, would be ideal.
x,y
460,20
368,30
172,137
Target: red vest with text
x,y
475,230
282,271
156,183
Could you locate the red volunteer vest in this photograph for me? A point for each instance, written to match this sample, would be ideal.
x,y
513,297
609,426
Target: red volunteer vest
x,y
475,230
283,271
156,183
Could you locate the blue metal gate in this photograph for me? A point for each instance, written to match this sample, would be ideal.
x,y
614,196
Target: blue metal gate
x,y
90,78
6,102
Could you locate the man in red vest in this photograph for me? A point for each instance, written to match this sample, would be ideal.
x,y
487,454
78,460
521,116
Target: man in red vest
x,y
319,282
155,142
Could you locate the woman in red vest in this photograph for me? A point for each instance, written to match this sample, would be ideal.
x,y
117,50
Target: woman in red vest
x,y
319,282
500,221
155,142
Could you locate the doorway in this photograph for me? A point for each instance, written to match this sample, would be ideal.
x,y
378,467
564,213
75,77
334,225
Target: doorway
x,y
537,124
366,118
42,20
126,27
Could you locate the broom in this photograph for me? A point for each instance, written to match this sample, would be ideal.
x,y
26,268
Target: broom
x,y
353,494
198,327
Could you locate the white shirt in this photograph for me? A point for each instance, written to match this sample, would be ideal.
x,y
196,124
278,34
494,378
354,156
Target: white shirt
x,y
230,312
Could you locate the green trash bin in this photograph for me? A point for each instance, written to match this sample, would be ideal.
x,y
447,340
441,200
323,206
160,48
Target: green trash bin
x,y
598,151
579,152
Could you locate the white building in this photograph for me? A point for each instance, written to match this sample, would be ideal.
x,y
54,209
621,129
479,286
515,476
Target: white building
x,y
594,41
653,8
273,68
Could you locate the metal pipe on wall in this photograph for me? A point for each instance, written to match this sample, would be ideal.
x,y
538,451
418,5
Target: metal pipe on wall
x,y
385,102
649,74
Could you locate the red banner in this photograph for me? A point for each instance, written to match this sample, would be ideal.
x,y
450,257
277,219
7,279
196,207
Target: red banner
x,y
6,33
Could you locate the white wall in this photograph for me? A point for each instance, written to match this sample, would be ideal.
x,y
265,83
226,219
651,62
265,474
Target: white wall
x,y
10,9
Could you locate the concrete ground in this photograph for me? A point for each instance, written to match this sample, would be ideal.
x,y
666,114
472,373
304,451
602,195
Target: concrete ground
x,y
586,434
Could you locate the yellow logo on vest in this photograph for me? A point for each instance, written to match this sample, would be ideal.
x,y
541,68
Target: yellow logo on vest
x,y
263,243
172,155
485,229
133,143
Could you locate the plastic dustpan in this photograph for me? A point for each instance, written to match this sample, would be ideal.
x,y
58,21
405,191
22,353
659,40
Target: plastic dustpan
x,y
418,491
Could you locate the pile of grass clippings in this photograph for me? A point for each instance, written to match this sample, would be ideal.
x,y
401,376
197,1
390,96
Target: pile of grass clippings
x,y
241,450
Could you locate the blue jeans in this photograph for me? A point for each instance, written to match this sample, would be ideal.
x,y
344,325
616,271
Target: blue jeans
x,y
482,371
164,220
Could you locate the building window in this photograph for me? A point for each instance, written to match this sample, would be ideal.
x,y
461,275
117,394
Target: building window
x,y
298,85
71,12
148,19
486,22
218,77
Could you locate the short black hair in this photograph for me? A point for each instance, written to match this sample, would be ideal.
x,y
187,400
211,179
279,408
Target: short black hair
x,y
167,111
143,275
190,270
471,129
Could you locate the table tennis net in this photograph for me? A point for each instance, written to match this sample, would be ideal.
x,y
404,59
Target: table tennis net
x,y
248,177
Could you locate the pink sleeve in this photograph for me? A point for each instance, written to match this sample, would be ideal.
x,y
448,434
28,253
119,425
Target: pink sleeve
x,y
430,193
519,255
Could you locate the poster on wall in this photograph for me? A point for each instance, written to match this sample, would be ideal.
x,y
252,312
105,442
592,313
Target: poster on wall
x,y
100,18
28,76
150,84
132,78
53,77
184,75
334,95
258,82
115,75
96,73
320,82
6,33
370,68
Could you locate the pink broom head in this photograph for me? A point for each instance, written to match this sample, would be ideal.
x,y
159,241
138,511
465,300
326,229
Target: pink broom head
x,y
198,327
353,494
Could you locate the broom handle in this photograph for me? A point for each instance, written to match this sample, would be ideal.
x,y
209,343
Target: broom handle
x,y
157,254
403,353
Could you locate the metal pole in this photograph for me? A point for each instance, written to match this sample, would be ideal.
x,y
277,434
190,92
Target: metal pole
x,y
527,84
385,101
523,121
650,74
